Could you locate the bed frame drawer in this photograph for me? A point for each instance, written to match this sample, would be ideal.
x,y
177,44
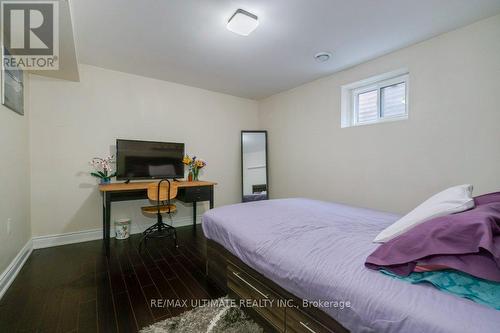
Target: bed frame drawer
x,y
298,321
249,289
241,281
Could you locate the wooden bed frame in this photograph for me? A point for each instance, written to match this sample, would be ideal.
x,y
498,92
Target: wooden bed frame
x,y
278,310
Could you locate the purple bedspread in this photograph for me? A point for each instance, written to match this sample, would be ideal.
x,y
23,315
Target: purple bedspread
x,y
316,250
468,242
254,197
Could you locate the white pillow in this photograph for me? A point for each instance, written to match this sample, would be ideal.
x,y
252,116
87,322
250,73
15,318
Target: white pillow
x,y
453,200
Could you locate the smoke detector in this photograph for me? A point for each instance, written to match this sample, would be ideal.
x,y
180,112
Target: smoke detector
x,y
322,56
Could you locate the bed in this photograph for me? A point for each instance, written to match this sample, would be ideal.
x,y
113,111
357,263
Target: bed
x,y
254,197
259,192
316,251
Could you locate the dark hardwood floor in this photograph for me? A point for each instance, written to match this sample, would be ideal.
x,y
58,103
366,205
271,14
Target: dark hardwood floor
x,y
74,288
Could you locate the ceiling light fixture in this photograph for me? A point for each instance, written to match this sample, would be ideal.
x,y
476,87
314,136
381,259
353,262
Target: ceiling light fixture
x,y
322,56
242,22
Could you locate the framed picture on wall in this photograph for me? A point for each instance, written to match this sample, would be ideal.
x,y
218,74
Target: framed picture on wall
x,y
12,82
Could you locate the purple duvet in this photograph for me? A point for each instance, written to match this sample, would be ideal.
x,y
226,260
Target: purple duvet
x,y
468,242
316,250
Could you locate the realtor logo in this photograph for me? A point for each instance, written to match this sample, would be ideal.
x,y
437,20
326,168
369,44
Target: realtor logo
x,y
30,35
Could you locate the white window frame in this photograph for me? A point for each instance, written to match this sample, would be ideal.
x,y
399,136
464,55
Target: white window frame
x,y
350,93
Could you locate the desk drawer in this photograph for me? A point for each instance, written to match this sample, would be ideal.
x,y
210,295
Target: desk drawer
x,y
298,321
192,194
247,288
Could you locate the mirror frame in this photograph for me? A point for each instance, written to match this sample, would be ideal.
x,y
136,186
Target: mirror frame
x,y
267,162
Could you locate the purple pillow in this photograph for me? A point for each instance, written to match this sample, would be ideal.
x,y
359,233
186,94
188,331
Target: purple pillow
x,y
467,241
487,198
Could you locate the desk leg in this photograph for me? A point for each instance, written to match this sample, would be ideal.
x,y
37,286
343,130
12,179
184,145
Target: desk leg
x,y
194,215
107,222
104,216
211,197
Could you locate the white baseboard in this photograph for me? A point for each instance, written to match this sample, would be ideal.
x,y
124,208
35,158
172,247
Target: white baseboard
x,y
41,242
8,276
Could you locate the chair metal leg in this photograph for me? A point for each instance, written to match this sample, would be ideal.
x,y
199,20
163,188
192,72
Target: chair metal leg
x,y
159,230
159,221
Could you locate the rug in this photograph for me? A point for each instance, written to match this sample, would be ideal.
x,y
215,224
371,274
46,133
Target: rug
x,y
217,317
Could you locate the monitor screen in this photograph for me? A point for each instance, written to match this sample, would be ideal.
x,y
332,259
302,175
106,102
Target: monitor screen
x,y
148,160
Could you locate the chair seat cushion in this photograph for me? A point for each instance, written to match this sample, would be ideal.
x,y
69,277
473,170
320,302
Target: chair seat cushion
x,y
163,209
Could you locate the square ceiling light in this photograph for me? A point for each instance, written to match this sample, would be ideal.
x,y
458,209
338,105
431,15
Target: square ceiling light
x,y
242,22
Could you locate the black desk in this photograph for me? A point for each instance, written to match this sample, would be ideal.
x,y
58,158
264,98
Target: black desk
x,y
189,192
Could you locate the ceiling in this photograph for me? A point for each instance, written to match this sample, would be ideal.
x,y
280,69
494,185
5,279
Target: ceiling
x,y
186,41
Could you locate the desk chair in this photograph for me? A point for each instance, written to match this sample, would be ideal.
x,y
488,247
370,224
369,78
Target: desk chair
x,y
162,192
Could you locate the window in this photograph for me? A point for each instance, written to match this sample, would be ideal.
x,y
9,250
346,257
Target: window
x,y
378,99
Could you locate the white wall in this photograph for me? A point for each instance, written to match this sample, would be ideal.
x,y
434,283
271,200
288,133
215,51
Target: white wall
x,y
14,181
452,135
74,121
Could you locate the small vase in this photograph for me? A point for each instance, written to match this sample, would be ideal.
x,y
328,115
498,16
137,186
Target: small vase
x,y
190,176
196,173
105,180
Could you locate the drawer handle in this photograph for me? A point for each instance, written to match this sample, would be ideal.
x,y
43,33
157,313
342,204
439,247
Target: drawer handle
x,y
307,327
250,285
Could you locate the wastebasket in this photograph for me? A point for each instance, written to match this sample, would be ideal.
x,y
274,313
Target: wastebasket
x,y
122,228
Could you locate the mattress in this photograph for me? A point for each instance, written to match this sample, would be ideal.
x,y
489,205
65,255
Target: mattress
x,y
254,197
316,250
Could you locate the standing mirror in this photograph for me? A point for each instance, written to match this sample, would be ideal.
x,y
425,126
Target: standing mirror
x,y
254,166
